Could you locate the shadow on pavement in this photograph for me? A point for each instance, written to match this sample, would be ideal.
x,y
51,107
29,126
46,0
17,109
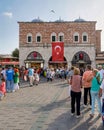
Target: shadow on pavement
x,y
51,106
68,122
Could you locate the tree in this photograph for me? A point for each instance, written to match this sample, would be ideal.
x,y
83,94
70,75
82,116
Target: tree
x,y
15,53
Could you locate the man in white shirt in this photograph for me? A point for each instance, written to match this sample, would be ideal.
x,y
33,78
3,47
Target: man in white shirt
x,y
101,94
3,72
101,71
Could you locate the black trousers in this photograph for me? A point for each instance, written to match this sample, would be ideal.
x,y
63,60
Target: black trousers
x,y
75,101
86,93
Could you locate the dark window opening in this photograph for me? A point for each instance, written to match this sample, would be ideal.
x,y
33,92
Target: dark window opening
x,y
29,39
38,38
61,38
53,38
76,38
84,38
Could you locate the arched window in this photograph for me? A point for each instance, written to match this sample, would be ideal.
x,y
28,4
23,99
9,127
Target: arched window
x,y
38,38
29,38
84,37
53,37
61,37
76,37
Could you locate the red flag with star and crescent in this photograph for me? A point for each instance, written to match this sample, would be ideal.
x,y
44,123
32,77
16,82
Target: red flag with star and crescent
x,y
57,51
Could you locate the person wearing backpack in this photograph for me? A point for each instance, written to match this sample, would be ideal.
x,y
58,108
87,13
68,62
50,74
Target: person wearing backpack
x,y
95,87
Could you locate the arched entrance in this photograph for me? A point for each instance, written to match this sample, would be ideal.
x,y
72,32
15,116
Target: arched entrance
x,y
81,59
34,59
56,64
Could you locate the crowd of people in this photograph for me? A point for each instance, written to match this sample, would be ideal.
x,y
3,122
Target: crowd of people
x,y
90,80
10,77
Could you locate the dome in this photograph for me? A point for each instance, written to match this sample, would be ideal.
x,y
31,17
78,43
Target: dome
x,y
59,20
79,20
37,20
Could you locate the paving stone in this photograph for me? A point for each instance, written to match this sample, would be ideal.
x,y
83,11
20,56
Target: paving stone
x,y
44,107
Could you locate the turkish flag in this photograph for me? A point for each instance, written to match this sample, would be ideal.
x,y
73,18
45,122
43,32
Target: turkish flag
x,y
57,51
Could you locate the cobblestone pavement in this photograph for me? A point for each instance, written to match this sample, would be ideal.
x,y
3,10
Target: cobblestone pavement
x,y
43,107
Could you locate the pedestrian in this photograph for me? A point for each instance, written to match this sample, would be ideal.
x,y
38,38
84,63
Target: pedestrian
x,y
95,87
10,80
36,78
52,74
86,79
31,75
101,71
101,91
3,73
2,88
25,74
69,76
101,94
16,79
48,75
76,84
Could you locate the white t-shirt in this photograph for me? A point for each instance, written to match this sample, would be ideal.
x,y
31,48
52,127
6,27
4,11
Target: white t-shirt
x,y
4,73
102,87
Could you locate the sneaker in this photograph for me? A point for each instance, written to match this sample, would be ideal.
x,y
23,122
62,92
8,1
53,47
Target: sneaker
x,y
85,106
78,116
8,91
13,91
72,114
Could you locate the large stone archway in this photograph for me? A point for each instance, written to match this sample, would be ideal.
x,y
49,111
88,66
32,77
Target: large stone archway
x,y
81,59
57,64
34,59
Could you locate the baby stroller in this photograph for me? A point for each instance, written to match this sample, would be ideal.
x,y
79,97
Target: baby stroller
x,y
103,111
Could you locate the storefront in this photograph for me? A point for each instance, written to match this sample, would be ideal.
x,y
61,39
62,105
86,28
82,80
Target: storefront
x,y
81,59
34,59
56,64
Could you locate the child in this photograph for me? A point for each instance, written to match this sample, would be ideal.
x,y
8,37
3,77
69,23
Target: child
x,y
16,79
2,89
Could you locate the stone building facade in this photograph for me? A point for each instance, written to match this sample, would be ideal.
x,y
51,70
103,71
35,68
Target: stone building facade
x,y
79,37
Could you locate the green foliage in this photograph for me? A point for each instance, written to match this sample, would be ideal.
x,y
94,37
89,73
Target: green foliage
x,y
15,53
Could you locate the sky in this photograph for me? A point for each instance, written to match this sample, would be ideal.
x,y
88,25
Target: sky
x,y
14,11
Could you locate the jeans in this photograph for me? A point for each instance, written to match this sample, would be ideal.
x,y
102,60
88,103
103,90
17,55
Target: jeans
x,y
94,97
10,85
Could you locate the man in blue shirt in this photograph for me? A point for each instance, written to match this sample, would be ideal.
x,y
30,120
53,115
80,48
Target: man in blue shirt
x,y
10,80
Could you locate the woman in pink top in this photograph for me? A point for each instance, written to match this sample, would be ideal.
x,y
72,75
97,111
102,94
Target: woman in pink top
x,y
2,89
76,84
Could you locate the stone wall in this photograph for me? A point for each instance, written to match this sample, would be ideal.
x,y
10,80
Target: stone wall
x,y
68,29
46,53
